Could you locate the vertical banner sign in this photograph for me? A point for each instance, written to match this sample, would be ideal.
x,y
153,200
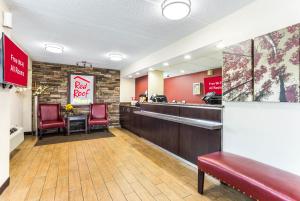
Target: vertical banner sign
x,y
81,89
213,84
15,68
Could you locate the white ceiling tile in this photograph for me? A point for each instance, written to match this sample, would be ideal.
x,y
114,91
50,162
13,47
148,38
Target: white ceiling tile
x,y
91,28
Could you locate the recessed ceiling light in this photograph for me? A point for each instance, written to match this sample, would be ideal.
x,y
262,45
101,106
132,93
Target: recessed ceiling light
x,y
116,56
220,45
166,64
54,48
182,71
187,57
151,69
130,76
137,73
176,9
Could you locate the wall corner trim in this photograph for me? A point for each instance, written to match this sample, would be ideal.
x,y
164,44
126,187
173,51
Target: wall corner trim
x,y
4,185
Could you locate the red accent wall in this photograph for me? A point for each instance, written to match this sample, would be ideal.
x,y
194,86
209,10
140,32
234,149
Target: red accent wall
x,y
141,85
181,87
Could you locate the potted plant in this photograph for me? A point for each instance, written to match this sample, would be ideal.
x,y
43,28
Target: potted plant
x,y
69,109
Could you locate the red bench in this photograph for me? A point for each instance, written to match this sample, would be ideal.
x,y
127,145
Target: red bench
x,y
257,180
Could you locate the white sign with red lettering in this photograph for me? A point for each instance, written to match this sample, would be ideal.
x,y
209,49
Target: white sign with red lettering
x,y
81,89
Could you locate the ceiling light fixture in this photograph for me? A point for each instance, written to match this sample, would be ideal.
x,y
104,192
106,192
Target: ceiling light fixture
x,y
54,48
166,64
176,9
220,45
187,57
130,76
151,69
137,73
182,71
116,56
84,64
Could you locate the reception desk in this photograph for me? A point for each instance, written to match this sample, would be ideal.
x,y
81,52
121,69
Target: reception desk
x,y
185,130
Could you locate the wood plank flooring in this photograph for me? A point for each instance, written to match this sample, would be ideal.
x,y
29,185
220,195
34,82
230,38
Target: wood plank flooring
x,y
121,168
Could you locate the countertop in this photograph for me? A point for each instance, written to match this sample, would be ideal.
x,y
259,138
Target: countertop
x,y
211,125
177,105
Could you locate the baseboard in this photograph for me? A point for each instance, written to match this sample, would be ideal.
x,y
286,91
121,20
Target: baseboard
x,y
29,133
4,185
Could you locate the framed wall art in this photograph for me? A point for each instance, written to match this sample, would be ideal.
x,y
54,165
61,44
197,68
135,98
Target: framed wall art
x,y
276,66
238,72
196,88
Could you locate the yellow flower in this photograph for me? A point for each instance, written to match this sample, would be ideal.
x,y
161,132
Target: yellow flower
x,y
69,107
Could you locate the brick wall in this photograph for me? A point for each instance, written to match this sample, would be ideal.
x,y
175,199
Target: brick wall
x,y
56,76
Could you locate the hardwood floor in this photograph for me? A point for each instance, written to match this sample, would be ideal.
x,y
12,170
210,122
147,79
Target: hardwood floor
x,y
117,168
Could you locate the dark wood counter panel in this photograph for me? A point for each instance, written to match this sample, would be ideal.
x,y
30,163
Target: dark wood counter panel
x,y
207,124
183,139
186,105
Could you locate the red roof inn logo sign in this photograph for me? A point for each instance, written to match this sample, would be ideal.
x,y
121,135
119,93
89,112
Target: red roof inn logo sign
x,y
15,64
81,89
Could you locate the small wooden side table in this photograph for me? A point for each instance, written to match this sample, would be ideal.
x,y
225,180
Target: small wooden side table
x,y
73,118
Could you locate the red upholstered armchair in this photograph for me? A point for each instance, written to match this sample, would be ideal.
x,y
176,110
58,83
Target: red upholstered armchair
x,y
98,115
49,117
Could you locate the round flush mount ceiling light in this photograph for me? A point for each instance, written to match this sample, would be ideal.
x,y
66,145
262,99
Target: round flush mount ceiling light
x,y
166,64
187,57
176,9
116,56
220,45
54,48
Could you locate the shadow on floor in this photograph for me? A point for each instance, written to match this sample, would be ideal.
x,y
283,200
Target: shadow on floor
x,y
56,138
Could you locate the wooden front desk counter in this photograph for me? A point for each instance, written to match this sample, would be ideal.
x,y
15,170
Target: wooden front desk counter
x,y
185,130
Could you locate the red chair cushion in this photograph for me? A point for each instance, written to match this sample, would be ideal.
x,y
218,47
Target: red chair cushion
x,y
98,111
49,112
98,122
52,124
261,181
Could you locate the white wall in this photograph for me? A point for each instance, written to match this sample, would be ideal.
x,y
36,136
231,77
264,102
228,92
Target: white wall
x,y
27,102
155,83
4,116
4,135
127,89
21,104
15,110
16,105
267,132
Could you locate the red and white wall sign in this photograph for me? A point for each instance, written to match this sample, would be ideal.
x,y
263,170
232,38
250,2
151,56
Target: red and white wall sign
x,y
81,89
15,64
213,84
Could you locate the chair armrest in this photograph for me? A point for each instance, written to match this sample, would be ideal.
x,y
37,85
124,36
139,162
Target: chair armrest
x,y
39,123
106,112
61,118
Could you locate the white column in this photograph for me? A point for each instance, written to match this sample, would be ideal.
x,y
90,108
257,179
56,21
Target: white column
x,y
127,89
155,83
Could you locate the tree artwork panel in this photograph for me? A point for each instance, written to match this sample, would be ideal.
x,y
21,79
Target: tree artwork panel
x,y
238,72
276,66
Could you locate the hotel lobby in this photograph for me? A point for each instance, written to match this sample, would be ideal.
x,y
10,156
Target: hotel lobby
x,y
137,100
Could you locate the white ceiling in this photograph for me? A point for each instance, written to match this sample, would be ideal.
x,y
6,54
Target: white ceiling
x,y
202,59
197,63
90,28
